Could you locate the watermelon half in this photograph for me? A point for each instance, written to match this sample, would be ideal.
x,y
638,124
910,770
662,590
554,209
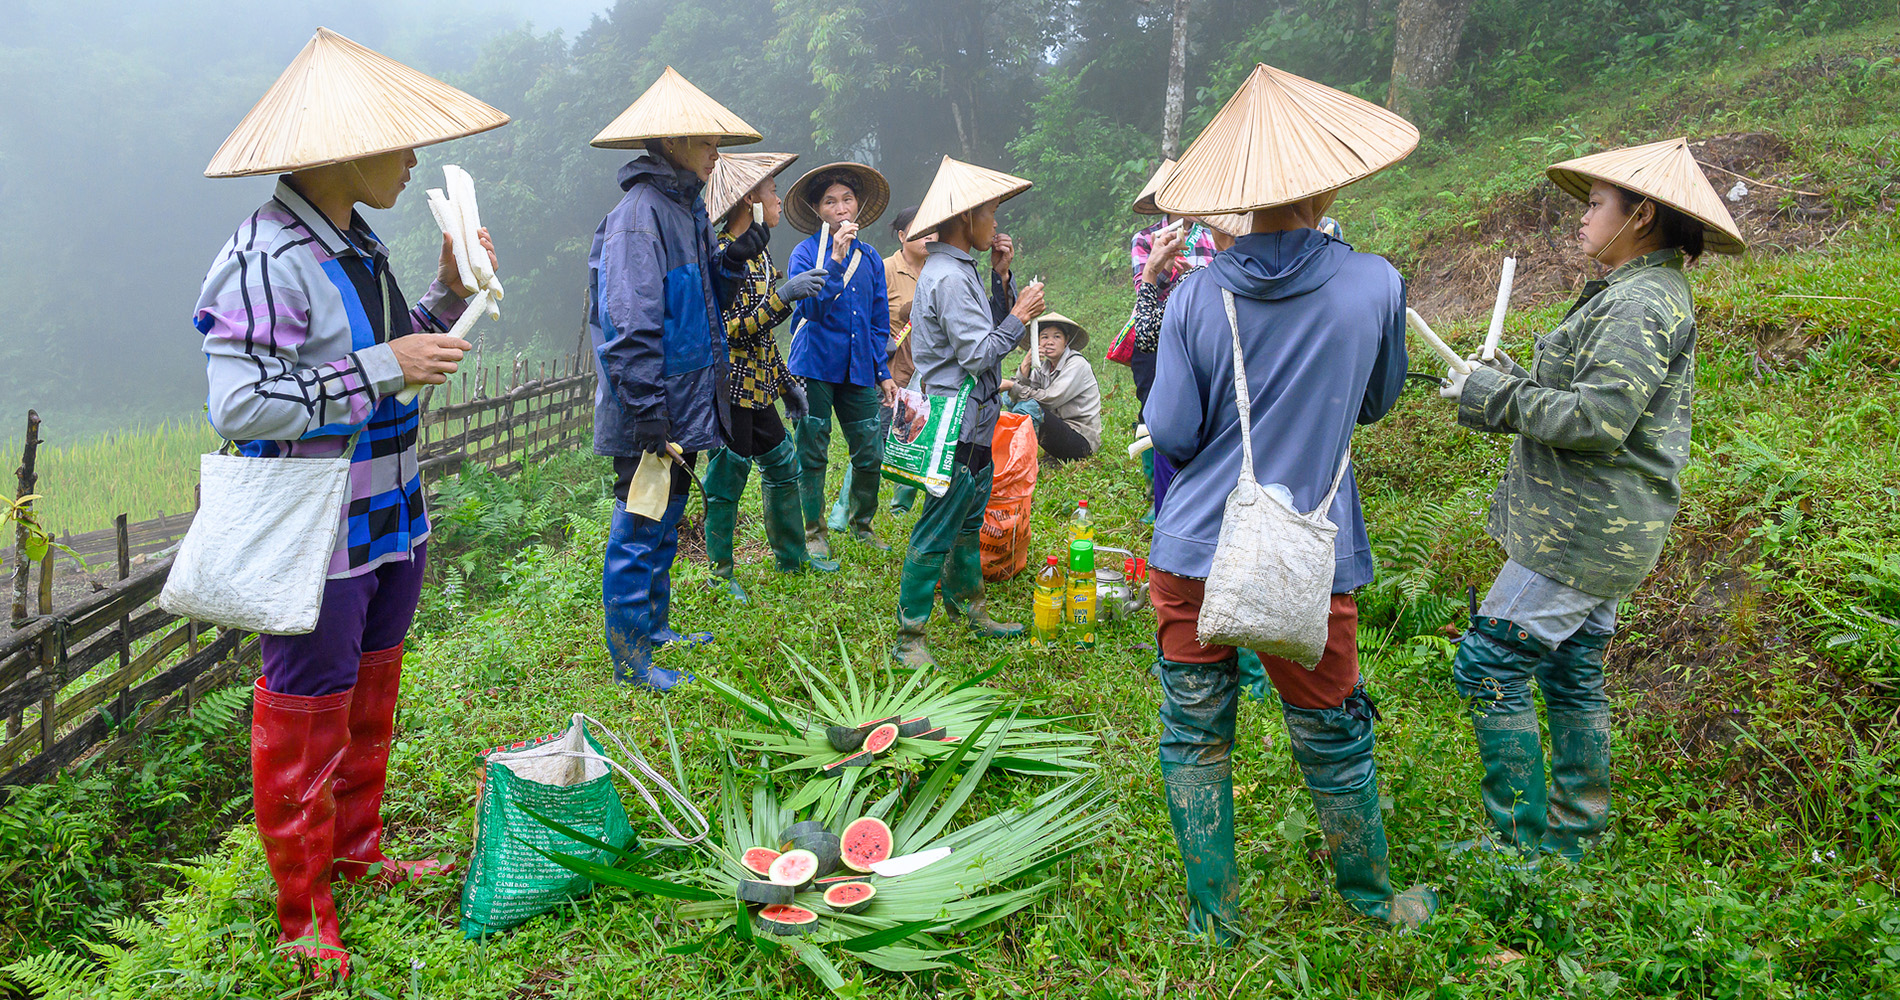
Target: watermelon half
x,y
866,727
794,868
755,891
799,829
865,842
844,739
912,727
881,739
850,897
787,920
823,845
758,860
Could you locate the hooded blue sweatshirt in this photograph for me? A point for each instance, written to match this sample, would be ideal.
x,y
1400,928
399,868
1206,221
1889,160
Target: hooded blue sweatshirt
x,y
1322,329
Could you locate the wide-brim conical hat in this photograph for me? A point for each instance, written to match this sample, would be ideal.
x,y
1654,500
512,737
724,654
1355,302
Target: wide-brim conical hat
x,y
1078,337
1145,201
339,101
874,196
1665,171
1280,139
959,187
674,107
1236,225
738,173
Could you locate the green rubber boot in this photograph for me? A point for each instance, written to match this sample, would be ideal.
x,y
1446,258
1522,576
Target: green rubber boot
x,y
1201,810
1513,784
814,442
1579,781
784,519
916,596
963,589
861,486
724,484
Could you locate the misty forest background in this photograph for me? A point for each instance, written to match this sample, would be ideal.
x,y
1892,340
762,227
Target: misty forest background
x,y
107,224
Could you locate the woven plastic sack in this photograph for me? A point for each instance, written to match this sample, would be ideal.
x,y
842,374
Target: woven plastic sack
x,y
1270,588
922,445
1004,538
1013,454
565,776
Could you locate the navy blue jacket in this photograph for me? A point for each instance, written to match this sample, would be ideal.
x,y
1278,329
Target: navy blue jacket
x,y
1322,329
843,333
654,302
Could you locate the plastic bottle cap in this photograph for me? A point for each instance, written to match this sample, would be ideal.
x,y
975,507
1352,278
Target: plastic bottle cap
x,y
1082,556
1053,561
1084,504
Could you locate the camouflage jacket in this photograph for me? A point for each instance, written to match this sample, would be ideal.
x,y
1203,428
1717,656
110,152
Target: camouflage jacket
x,y
1602,425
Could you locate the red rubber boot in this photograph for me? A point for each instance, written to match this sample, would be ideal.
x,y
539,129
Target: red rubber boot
x,y
296,744
361,776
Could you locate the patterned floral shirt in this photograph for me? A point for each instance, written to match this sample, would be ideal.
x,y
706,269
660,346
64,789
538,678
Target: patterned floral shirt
x,y
758,371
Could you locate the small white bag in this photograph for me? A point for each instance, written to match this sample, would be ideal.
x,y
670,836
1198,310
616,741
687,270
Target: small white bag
x,y
1270,589
258,551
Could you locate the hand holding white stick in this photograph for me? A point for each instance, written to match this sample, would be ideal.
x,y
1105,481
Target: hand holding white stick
x,y
1497,311
1418,325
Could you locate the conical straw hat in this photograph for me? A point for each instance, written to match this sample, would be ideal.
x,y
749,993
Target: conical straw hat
x,y
1236,225
340,101
1145,201
673,107
874,196
1280,139
959,187
1665,171
737,173
1078,337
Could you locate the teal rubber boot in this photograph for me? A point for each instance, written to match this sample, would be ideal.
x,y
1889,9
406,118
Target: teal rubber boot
x,y
1492,669
1201,810
724,484
916,597
1579,782
814,442
784,519
963,589
861,486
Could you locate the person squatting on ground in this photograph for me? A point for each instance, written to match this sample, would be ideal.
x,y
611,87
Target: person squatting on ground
x,y
307,342
1322,330
1601,419
1060,395
759,378
956,338
841,342
655,295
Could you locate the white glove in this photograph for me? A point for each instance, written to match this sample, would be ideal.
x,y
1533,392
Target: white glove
x,y
1500,362
1454,386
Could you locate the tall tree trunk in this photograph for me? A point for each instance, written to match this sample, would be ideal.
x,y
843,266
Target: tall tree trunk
x,y
1177,83
1422,54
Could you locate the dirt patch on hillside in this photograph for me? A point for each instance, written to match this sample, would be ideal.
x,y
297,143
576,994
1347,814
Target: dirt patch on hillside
x,y
1776,211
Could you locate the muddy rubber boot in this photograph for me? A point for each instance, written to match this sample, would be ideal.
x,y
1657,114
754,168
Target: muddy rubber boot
x,y
362,774
724,484
1579,782
861,486
1333,747
784,521
626,595
1201,810
813,445
297,744
916,596
1253,676
1492,669
903,498
963,589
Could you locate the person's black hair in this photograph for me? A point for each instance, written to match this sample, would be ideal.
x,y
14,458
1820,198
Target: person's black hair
x,y
816,187
901,224
1678,229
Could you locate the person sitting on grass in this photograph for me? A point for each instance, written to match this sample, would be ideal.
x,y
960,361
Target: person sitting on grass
x,y
1060,395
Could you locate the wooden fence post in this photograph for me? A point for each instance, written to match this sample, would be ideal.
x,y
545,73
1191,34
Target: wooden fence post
x,y
125,620
26,477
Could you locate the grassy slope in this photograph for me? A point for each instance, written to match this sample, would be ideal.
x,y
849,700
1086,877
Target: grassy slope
x,y
1740,865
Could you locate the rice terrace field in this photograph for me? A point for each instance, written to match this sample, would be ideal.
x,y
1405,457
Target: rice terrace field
x,y
1755,679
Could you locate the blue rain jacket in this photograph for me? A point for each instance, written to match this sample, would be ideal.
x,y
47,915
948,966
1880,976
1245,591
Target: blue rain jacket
x,y
843,333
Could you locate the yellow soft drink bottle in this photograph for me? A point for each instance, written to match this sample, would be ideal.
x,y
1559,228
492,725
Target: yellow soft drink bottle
x,y
1051,606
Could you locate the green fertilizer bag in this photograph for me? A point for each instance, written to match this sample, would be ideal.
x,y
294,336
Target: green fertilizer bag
x,y
566,776
921,448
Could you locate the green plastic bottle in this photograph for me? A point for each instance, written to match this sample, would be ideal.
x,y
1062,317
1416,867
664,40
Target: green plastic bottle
x,y
1051,606
1082,598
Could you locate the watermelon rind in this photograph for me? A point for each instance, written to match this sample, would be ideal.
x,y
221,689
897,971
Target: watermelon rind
x,y
866,727
881,739
770,893
862,860
931,734
799,829
834,896
787,920
860,759
912,727
794,868
758,860
844,739
825,846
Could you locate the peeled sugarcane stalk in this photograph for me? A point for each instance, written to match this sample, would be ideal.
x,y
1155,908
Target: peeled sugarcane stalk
x,y
1497,311
1417,324
458,216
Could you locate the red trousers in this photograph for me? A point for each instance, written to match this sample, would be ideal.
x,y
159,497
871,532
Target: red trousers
x,y
1177,601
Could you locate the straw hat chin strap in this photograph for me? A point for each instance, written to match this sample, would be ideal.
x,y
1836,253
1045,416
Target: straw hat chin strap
x,y
1598,254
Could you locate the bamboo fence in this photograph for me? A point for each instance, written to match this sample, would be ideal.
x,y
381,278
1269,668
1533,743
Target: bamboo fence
x,y
80,680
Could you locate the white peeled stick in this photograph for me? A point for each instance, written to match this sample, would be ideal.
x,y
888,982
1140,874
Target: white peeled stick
x,y
1497,311
1417,324
459,218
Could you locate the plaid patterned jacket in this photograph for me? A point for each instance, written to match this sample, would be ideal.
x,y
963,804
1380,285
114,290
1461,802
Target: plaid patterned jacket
x,y
758,371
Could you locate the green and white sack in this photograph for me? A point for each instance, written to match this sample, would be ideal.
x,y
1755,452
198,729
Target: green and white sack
x,y
922,444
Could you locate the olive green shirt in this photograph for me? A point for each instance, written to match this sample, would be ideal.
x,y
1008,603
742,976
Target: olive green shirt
x,y
1602,425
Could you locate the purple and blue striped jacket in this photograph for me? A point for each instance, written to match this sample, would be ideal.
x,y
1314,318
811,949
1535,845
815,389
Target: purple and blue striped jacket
x,y
298,359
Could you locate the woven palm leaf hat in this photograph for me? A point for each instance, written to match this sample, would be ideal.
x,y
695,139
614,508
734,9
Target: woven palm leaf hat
x,y
1663,171
736,174
1078,337
874,195
959,187
1145,201
339,101
1281,139
673,107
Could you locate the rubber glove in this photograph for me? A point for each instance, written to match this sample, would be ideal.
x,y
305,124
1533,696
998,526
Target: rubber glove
x,y
797,407
803,285
1454,386
748,244
650,435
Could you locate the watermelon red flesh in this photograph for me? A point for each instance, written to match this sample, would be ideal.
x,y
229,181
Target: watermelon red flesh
x,y
783,919
794,868
759,860
850,897
865,842
880,739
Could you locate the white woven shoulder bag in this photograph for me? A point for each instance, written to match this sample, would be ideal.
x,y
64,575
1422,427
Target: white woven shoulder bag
x,y
1270,589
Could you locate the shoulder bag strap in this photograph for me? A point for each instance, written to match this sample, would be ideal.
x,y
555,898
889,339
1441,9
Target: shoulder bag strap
x,y
1241,400
1338,477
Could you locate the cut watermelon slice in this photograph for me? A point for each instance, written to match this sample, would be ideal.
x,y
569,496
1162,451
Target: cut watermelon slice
x,y
758,860
912,727
931,734
787,920
866,842
850,897
860,759
755,891
881,739
794,868
866,727
844,739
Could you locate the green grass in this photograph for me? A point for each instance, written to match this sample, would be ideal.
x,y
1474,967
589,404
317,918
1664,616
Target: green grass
x,y
1756,822
86,483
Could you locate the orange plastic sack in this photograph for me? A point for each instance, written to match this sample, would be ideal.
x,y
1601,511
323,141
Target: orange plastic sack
x,y
1005,534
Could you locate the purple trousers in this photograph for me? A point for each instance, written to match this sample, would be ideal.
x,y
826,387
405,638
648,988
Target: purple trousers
x,y
360,614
